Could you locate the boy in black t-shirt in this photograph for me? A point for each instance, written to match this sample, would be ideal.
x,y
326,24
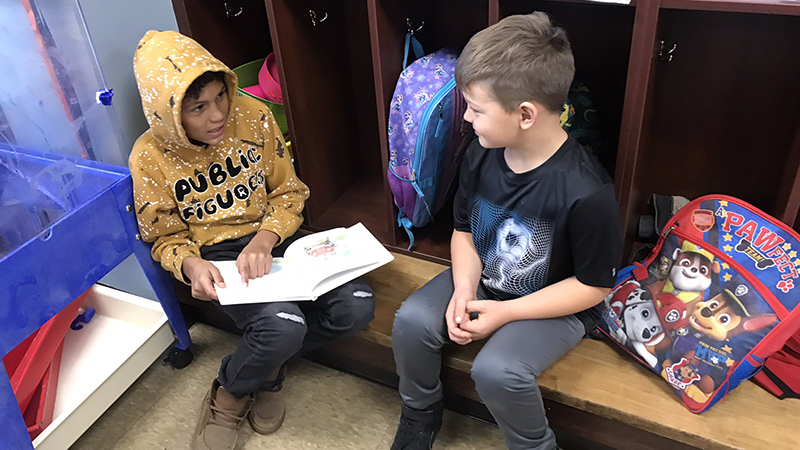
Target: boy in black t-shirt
x,y
535,248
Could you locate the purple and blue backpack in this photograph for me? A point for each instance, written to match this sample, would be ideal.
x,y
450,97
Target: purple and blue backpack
x,y
427,135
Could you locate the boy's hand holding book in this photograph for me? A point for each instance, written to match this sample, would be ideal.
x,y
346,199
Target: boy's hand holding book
x,y
203,276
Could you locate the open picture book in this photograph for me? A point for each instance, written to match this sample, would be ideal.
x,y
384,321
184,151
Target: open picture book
x,y
312,266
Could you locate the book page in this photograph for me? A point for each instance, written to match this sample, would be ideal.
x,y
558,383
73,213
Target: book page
x,y
284,282
312,266
339,255
332,251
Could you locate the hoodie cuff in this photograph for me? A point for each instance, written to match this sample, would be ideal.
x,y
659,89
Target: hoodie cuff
x,y
176,265
283,223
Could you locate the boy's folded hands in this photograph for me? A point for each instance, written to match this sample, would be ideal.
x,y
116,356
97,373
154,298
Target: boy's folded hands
x,y
491,315
456,315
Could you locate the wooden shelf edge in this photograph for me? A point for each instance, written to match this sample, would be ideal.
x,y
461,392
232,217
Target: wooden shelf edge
x,y
633,3
595,2
789,8
420,255
788,203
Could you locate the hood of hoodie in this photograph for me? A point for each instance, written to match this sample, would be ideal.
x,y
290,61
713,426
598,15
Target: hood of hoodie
x,y
165,65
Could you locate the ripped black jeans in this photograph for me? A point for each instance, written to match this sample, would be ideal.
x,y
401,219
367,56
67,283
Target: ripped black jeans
x,y
275,332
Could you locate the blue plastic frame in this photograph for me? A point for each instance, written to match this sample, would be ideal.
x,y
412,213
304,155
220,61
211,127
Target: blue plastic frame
x,y
42,276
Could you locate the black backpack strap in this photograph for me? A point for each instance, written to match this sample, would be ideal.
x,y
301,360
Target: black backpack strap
x,y
786,391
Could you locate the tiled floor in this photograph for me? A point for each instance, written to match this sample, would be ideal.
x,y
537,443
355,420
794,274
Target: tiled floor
x,y
326,410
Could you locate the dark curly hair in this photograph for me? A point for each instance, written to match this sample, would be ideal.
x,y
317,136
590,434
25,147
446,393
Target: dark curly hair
x,y
193,92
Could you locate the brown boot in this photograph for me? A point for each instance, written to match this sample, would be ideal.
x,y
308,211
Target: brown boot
x,y
269,407
268,412
220,417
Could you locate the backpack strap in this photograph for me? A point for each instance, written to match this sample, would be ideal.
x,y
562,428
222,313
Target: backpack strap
x,y
640,272
785,390
411,41
404,222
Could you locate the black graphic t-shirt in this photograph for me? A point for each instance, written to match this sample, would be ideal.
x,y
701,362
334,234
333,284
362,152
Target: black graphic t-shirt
x,y
537,228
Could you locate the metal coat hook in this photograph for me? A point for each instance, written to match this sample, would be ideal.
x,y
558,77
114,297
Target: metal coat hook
x,y
667,55
410,28
229,11
313,15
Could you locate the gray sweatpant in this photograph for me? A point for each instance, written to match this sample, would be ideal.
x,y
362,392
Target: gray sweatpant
x,y
504,371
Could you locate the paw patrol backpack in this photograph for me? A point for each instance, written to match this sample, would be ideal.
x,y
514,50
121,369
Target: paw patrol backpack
x,y
713,300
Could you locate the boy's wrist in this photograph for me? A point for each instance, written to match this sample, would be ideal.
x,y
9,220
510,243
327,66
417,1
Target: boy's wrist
x,y
508,310
464,291
188,264
267,237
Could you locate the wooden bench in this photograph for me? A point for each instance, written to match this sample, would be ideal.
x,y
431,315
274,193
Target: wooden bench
x,y
597,397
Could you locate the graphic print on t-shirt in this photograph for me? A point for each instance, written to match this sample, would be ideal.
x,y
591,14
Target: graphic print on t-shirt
x,y
515,249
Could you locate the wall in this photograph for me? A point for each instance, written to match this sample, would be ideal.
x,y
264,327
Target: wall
x,y
115,35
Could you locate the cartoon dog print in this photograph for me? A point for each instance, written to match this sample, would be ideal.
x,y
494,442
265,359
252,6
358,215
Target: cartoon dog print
x,y
712,323
643,327
691,272
725,316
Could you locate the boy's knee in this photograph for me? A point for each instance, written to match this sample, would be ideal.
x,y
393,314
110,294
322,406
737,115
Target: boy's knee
x,y
496,377
352,307
361,312
414,320
280,328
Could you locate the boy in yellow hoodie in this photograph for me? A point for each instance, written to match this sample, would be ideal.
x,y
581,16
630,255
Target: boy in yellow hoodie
x,y
213,181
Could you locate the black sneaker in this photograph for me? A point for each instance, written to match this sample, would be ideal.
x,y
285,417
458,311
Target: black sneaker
x,y
418,429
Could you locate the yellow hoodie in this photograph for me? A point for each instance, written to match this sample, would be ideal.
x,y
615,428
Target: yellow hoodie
x,y
188,196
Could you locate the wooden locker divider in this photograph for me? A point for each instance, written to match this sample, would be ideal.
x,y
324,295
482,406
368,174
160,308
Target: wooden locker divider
x,y
637,105
789,199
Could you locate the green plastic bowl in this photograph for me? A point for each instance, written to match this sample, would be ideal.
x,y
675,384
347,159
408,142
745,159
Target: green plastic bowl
x,y
248,76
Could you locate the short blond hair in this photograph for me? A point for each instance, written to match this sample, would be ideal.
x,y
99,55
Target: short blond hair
x,y
521,58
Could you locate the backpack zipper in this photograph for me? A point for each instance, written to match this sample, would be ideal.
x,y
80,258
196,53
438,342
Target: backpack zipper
x,y
435,101
441,120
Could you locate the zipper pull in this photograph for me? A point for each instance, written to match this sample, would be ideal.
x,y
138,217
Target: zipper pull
x,y
414,183
667,232
439,123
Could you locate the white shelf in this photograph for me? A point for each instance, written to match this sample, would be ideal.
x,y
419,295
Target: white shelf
x,y
102,360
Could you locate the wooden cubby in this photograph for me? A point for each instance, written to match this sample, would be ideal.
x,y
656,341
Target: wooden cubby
x,y
721,117
234,32
708,118
600,36
326,73
443,23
